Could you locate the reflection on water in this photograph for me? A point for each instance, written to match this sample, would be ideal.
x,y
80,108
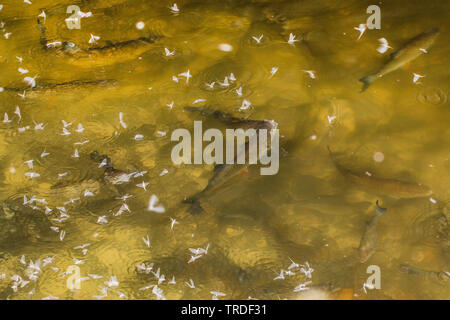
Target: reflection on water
x,y
104,88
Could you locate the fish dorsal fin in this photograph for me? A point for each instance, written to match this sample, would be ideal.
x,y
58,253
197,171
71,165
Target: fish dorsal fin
x,y
379,210
219,167
283,152
394,54
61,184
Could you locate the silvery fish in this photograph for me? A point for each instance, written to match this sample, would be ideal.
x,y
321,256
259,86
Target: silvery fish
x,y
368,242
410,51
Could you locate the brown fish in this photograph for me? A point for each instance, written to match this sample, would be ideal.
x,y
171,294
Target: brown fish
x,y
385,186
368,242
408,52
64,87
439,275
19,223
224,173
112,175
99,56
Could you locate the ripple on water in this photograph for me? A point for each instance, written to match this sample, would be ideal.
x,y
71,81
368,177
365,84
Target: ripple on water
x,y
261,35
431,228
183,26
227,82
249,245
432,96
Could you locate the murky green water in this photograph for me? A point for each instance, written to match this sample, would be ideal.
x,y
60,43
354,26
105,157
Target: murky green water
x,y
309,212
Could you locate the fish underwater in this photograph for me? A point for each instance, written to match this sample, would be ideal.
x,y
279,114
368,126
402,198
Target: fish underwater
x,y
63,88
21,222
368,242
112,175
383,186
408,52
438,275
223,173
106,181
98,56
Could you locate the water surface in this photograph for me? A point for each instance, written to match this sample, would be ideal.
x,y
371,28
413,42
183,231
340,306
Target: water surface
x,y
308,212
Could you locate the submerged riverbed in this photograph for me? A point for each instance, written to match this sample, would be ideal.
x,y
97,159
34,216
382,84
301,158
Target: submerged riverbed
x,y
117,87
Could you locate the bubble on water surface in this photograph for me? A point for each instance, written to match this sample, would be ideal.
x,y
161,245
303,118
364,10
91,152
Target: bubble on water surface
x,y
140,25
225,47
434,96
378,156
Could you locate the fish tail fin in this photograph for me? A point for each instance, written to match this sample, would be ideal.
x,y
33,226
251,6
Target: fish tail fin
x,y
329,151
367,81
42,29
39,24
331,154
379,211
195,207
